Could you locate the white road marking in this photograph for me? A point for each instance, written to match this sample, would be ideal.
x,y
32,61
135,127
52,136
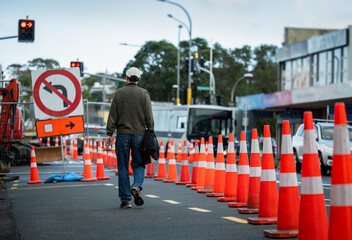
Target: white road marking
x,y
152,196
199,209
171,202
109,184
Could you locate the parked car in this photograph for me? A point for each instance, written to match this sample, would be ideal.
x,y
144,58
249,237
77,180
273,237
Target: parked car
x,y
324,136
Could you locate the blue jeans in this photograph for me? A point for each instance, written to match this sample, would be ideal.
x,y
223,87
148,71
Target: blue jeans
x,y
125,143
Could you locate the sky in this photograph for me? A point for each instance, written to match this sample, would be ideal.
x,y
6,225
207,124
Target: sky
x,y
92,31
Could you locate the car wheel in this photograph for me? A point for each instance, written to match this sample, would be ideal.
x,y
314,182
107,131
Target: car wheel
x,y
298,164
323,168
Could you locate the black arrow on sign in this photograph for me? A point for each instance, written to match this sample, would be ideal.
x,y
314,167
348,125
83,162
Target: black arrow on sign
x,y
70,125
58,87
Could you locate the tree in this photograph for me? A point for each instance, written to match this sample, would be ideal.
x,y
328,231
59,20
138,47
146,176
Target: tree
x,y
40,63
157,62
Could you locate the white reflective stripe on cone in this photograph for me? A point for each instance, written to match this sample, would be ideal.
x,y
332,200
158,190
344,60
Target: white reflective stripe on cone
x,y
195,163
99,160
172,161
341,140
202,164
33,164
288,179
255,146
243,169
220,148
210,148
255,171
268,175
286,145
231,148
231,168
210,165
309,142
184,162
87,162
220,166
311,185
243,147
267,147
161,160
341,195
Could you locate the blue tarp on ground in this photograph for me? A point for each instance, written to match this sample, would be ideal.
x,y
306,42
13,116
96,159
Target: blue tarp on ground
x,y
64,178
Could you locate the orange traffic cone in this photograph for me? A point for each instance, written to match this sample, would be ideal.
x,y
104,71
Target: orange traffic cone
x,y
71,147
287,220
56,141
40,140
100,165
230,191
150,170
210,169
243,175
268,199
220,174
195,163
201,167
191,153
34,170
168,151
130,170
75,150
88,174
161,164
255,169
341,179
48,141
65,149
313,223
172,171
179,152
184,176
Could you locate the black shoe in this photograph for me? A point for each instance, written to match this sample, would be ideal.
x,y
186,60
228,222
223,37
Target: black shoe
x,y
125,205
136,193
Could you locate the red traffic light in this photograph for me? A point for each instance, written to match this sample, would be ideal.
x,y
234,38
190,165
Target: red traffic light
x,y
23,24
26,30
79,65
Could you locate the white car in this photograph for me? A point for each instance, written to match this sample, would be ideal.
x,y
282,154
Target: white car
x,y
324,136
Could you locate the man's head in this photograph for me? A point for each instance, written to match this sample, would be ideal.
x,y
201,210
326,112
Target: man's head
x,y
133,74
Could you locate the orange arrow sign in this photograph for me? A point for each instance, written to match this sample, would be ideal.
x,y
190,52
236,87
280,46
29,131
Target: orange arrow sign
x,y
63,126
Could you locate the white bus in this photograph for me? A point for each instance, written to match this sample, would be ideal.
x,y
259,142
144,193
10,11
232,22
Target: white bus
x,y
191,122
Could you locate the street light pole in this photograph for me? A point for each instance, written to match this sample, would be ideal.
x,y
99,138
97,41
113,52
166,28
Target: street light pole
x,y
189,90
246,75
178,67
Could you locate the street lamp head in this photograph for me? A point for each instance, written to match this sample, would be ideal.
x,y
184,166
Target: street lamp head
x,y
180,26
248,75
170,16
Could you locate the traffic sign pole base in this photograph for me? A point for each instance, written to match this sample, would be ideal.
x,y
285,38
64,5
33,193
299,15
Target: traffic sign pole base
x,y
226,199
214,194
274,233
248,210
260,220
236,204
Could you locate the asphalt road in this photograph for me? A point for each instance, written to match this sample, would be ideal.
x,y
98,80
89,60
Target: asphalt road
x,y
90,210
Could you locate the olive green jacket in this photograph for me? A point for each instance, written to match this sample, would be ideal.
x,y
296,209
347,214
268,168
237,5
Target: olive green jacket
x,y
130,112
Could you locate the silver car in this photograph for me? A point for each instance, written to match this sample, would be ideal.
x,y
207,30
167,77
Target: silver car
x,y
324,136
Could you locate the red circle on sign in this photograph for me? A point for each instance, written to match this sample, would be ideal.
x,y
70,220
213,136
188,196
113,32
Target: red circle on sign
x,y
39,102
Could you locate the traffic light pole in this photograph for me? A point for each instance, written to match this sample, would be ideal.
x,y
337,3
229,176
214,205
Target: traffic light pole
x,y
3,38
212,78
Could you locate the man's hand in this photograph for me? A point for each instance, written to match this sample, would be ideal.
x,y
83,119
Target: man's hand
x,y
109,142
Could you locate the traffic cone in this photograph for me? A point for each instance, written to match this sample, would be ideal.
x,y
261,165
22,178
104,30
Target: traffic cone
x,y
243,175
255,169
150,170
56,141
172,172
184,176
88,174
71,147
313,223
230,191
91,149
287,220
195,165
48,141
341,179
100,165
168,151
65,149
40,140
210,169
130,170
220,174
191,153
161,164
75,150
201,167
179,152
268,199
34,170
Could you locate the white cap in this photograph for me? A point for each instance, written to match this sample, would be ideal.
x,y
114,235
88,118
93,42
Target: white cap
x,y
133,71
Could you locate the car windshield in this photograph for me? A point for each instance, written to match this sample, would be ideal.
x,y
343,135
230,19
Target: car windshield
x,y
327,133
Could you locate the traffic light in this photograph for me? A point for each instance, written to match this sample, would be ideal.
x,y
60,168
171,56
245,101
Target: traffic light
x,y
207,99
219,99
192,65
79,65
25,30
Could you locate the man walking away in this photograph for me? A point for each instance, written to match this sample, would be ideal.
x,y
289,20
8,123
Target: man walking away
x,y
130,114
